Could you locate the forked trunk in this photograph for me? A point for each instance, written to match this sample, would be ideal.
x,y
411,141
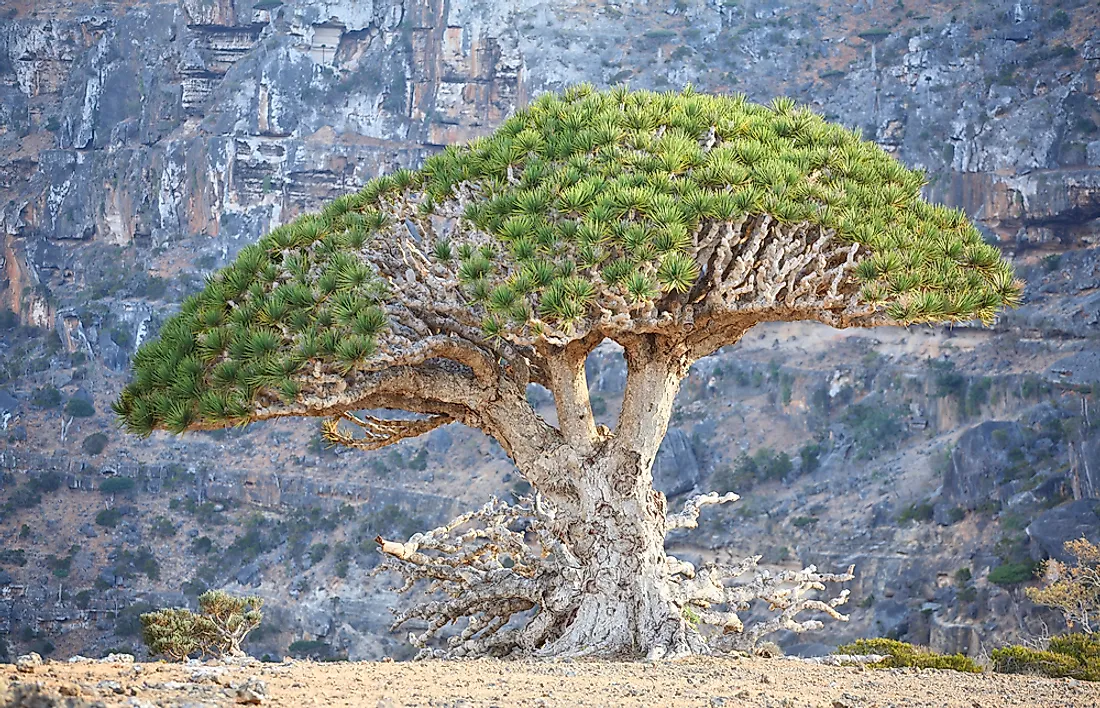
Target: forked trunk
x,y
616,528
585,558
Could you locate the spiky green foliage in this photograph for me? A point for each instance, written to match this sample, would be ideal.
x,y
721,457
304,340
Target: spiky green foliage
x,y
177,633
588,195
219,627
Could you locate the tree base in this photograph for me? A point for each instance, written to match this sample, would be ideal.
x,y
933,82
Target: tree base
x,y
503,576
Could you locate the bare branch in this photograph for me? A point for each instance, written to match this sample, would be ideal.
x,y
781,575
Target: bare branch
x,y
689,517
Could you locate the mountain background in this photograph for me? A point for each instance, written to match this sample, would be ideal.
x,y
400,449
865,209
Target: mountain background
x,y
142,144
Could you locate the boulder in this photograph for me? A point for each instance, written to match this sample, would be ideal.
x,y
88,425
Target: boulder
x,y
28,663
976,471
676,469
1051,529
249,575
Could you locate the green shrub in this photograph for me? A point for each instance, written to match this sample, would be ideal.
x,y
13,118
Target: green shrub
x,y
875,427
899,654
917,511
317,553
79,408
108,518
309,649
1012,573
202,545
83,599
1023,660
1082,647
13,556
874,34
46,397
116,485
177,633
162,526
94,443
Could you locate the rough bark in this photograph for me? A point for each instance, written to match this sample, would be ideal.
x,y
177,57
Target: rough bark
x,y
597,580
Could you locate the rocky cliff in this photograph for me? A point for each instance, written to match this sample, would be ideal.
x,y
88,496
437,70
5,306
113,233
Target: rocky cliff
x,y
142,144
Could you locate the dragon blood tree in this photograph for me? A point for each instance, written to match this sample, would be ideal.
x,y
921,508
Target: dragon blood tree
x,y
668,223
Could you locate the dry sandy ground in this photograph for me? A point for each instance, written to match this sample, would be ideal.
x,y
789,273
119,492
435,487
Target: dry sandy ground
x,y
480,684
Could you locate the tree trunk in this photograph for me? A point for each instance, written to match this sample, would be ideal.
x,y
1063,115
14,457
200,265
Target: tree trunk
x,y
625,606
617,531
589,563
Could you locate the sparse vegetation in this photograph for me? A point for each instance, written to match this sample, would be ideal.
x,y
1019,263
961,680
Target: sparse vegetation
x,y
900,654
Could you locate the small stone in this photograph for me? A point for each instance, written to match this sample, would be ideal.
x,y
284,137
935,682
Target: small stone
x,y
28,663
252,692
111,686
118,659
69,690
766,679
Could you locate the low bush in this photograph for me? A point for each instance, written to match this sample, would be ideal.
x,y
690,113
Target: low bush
x,y
1070,656
108,518
79,408
1012,573
116,485
46,397
94,443
900,654
309,649
917,511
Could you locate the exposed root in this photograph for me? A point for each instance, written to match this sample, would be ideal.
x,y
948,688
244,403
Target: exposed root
x,y
506,562
504,570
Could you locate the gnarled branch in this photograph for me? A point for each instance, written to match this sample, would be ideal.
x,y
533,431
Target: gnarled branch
x,y
378,432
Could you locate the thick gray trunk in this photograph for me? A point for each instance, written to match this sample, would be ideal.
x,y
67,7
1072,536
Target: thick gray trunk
x,y
591,565
625,605
617,528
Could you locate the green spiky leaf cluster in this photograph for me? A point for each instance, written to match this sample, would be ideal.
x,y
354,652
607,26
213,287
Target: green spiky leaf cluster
x,y
303,293
581,196
609,186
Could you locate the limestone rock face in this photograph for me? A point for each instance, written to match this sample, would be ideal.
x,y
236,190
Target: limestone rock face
x,y
142,144
976,470
676,470
1050,531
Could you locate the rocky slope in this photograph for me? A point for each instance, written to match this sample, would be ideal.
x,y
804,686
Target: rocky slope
x,y
142,144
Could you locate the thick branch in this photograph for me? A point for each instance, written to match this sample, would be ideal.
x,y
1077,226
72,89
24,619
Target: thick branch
x,y
569,385
378,432
655,367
